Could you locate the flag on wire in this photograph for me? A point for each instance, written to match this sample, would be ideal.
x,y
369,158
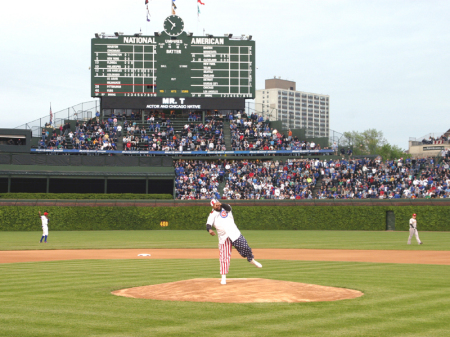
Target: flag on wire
x,y
148,12
198,8
51,115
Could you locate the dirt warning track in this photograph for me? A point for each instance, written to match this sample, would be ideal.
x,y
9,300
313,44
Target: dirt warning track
x,y
377,256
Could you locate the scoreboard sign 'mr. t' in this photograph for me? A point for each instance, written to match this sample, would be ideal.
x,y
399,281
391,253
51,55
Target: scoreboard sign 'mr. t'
x,y
172,66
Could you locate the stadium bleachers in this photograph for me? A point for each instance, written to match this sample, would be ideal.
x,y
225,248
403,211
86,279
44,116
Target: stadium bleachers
x,y
296,179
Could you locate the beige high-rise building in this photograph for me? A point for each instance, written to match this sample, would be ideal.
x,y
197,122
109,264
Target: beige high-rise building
x,y
280,101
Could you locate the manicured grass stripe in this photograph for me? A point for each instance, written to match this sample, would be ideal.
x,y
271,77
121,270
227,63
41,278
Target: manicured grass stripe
x,y
200,239
72,298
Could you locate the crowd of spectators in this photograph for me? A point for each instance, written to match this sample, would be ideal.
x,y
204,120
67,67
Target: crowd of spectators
x,y
197,179
95,135
377,179
52,139
431,140
253,133
156,136
243,179
365,178
90,135
296,179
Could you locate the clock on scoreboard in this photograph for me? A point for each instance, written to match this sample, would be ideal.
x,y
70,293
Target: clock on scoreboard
x,y
172,64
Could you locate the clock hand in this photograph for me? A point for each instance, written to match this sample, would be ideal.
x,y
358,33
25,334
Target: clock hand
x,y
171,22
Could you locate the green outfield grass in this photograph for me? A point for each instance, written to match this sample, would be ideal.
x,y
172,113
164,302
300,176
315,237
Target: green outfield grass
x,y
73,298
201,239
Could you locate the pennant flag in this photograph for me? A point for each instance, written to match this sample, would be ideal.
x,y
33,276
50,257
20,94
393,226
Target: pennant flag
x,y
148,12
198,8
51,115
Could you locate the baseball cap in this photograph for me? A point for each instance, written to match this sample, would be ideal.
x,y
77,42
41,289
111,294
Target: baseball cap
x,y
45,213
213,202
414,214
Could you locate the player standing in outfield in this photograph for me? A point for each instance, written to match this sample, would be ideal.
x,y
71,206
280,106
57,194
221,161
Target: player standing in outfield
x,y
413,230
45,220
222,219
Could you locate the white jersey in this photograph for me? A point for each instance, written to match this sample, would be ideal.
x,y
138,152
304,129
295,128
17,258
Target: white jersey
x,y
223,221
44,225
413,223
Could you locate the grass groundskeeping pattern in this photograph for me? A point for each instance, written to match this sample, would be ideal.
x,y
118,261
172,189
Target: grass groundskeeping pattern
x,y
201,239
73,298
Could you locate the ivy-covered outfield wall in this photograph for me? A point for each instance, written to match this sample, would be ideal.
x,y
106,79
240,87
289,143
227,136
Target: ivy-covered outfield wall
x,y
25,218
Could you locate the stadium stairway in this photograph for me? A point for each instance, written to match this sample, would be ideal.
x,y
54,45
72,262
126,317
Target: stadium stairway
x,y
68,141
221,187
119,144
317,188
227,135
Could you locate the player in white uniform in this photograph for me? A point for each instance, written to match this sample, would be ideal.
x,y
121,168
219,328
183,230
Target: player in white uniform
x,y
413,230
222,219
44,220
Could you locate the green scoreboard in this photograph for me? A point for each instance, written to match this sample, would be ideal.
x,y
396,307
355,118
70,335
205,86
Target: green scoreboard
x,y
173,65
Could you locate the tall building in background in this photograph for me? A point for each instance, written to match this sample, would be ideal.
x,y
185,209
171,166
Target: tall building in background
x,y
280,101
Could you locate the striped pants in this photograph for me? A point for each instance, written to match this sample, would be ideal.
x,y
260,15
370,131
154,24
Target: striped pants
x,y
241,246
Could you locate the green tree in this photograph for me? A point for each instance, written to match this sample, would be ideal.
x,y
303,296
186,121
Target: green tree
x,y
371,142
389,152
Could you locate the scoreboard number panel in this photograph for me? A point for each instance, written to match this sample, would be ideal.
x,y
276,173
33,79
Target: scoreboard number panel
x,y
172,66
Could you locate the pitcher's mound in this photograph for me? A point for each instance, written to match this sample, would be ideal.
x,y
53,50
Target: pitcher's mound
x,y
239,290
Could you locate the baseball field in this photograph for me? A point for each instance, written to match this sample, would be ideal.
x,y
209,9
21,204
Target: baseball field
x,y
64,287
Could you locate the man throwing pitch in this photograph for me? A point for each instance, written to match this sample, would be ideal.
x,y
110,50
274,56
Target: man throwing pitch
x,y
413,230
222,219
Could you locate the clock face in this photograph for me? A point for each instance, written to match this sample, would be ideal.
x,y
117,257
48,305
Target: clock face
x,y
173,25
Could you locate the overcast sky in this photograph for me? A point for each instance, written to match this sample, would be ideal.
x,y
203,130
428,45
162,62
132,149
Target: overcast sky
x,y
384,63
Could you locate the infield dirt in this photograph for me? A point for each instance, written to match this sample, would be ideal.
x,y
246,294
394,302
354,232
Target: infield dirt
x,y
377,256
239,290
236,290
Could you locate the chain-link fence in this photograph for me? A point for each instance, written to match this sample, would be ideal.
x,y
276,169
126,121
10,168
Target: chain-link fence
x,y
338,138
82,112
